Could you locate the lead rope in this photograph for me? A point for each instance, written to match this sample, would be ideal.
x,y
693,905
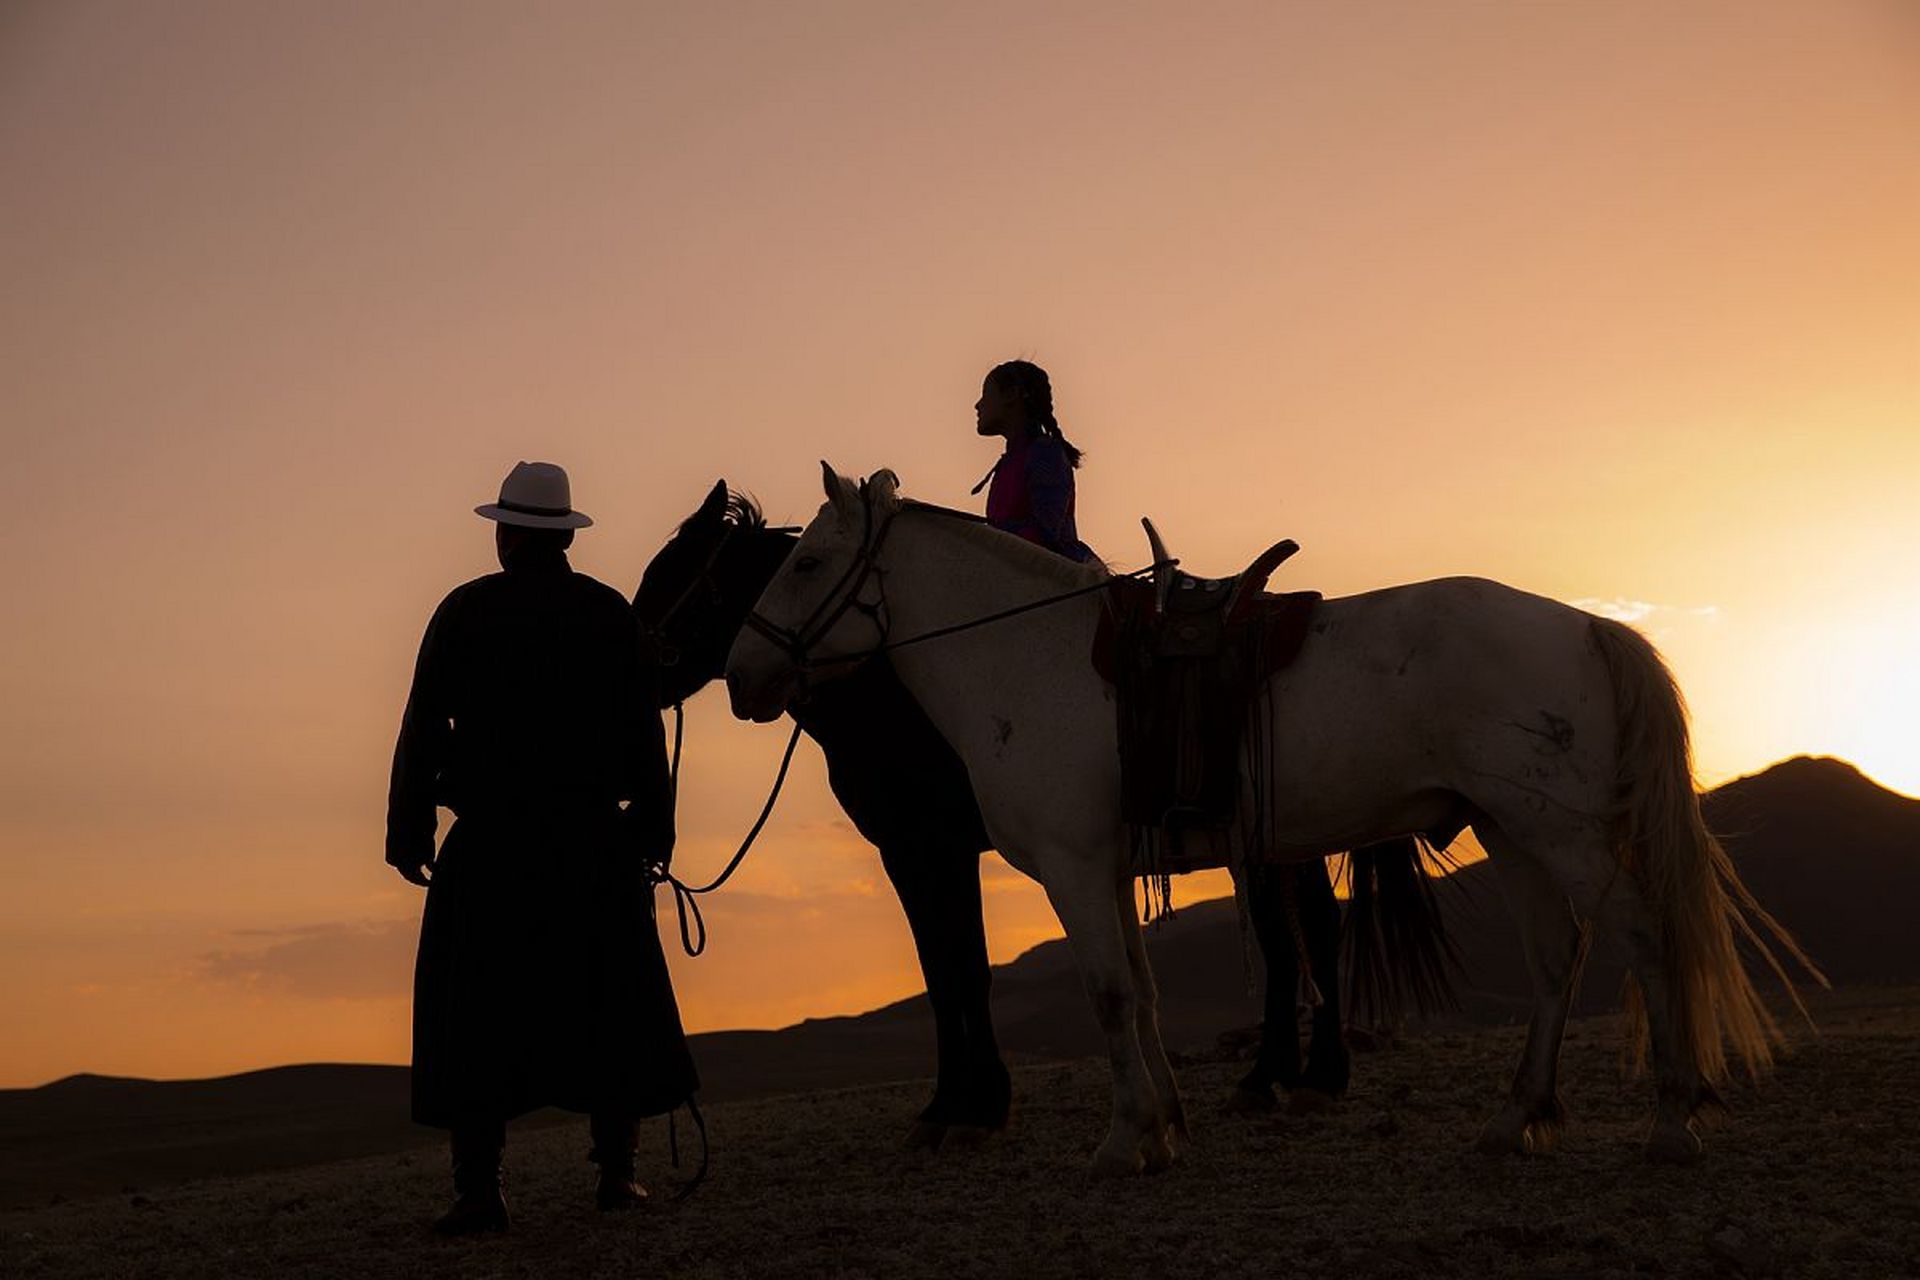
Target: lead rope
x,y
692,1184
693,926
686,902
673,768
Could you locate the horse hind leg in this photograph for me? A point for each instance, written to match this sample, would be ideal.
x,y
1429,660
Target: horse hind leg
x,y
1329,1066
1278,1060
1683,1091
1555,944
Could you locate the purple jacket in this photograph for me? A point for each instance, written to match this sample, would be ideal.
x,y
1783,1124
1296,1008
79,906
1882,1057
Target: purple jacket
x,y
1032,496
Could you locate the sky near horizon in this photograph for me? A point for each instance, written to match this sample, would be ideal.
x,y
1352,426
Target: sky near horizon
x,y
1618,303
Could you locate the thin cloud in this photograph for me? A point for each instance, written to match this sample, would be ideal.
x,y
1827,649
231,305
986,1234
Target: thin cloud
x,y
1621,609
365,960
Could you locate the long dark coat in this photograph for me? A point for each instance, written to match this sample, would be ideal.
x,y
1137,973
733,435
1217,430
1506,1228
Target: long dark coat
x,y
540,980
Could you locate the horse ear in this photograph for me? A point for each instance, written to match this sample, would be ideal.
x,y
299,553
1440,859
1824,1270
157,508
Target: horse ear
x,y
840,491
883,487
714,509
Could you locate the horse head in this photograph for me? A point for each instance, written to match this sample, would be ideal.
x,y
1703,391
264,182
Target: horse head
x,y
698,589
822,613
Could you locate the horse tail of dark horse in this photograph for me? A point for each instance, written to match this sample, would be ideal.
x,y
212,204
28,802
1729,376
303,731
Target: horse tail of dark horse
x,y
1699,904
1397,949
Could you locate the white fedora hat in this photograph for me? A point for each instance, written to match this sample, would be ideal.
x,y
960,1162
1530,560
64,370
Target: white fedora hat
x,y
537,496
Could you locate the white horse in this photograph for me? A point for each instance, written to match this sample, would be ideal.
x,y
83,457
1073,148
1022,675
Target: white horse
x,y
1558,736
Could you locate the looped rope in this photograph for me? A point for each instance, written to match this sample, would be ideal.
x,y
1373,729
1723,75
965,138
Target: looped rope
x,y
692,1184
693,925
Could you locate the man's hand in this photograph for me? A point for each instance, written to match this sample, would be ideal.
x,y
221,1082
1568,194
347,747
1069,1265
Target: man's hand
x,y
650,829
660,866
414,870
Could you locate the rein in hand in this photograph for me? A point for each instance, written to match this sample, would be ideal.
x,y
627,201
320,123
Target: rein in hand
x,y
693,925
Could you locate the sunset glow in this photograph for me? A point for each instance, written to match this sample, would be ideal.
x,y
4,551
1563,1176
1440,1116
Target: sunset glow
x,y
1617,303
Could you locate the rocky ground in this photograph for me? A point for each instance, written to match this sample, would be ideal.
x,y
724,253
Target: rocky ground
x,y
1817,1173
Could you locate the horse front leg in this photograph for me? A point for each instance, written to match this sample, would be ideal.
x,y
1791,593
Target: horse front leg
x,y
939,889
1159,1148
1088,901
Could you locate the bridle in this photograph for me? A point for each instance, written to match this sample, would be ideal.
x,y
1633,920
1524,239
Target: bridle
x,y
693,927
667,654
797,642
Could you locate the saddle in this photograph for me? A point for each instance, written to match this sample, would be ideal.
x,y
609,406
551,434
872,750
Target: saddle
x,y
1187,657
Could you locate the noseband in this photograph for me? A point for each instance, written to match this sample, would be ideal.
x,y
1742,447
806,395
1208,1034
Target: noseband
x,y
797,642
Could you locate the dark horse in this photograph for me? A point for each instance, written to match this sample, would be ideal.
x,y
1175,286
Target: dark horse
x,y
908,794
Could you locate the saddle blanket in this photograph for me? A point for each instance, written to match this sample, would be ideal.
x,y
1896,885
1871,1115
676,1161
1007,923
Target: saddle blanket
x,y
1185,682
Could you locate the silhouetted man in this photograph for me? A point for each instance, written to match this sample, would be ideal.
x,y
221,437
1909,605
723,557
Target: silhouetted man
x,y
540,980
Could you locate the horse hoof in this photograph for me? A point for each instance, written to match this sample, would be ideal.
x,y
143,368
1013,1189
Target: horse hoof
x,y
1539,1138
925,1135
1310,1102
1156,1155
1496,1146
1674,1144
1110,1163
968,1136
1245,1101
1498,1139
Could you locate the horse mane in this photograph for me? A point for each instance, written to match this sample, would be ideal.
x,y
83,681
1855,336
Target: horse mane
x,y
743,511
1013,548
934,508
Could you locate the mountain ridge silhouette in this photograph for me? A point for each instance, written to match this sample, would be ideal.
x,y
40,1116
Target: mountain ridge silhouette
x,y
1833,854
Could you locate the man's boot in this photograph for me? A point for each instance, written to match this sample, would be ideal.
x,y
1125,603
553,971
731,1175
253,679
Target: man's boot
x,y
614,1144
478,1204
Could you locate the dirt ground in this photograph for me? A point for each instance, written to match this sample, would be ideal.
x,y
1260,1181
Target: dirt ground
x,y
1817,1173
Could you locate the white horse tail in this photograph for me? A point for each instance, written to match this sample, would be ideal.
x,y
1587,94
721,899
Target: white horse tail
x,y
1689,884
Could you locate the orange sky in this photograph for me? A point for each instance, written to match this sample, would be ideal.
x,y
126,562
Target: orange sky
x,y
1618,303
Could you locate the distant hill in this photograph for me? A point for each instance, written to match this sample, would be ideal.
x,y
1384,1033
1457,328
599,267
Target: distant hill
x,y
1836,857
1833,855
86,1134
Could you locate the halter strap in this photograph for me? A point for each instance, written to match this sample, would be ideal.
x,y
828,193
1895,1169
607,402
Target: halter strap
x,y
796,642
656,631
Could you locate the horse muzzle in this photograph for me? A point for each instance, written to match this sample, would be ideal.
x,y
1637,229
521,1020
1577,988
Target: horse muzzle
x,y
761,694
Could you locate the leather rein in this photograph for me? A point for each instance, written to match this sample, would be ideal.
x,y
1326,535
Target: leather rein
x,y
797,643
693,924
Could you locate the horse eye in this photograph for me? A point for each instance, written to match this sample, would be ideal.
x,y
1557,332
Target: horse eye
x,y
806,564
